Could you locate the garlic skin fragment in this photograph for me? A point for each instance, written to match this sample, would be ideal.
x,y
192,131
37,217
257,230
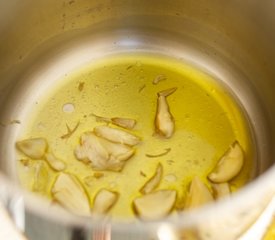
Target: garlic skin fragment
x,y
116,135
101,153
198,194
229,165
155,205
154,181
221,190
124,122
55,163
164,121
68,191
104,201
35,148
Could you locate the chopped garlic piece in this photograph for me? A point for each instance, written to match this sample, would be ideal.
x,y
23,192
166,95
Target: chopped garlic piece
x,y
159,78
54,162
124,122
68,191
40,180
198,194
164,122
35,148
229,165
154,181
103,154
155,205
116,135
104,201
221,190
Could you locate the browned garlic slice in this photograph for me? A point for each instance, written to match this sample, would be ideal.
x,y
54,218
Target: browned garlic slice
x,y
164,122
229,165
104,201
221,190
198,194
68,191
159,78
35,148
40,179
116,135
103,154
124,122
153,182
155,205
54,162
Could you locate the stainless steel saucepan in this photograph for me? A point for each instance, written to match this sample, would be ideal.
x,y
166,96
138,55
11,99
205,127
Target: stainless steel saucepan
x,y
233,40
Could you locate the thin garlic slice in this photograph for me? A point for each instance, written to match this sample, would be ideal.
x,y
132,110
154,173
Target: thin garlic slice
x,y
41,177
198,194
221,190
229,165
54,162
104,201
101,153
154,181
124,122
68,191
116,135
164,121
35,148
155,205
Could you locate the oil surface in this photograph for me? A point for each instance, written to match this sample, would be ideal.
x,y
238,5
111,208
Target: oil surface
x,y
207,121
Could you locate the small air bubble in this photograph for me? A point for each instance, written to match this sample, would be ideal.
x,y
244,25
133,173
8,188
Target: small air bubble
x,y
68,108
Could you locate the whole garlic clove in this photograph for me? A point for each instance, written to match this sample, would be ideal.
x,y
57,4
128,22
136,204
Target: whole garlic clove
x,y
116,135
55,163
35,148
155,205
104,201
229,165
68,191
154,181
197,195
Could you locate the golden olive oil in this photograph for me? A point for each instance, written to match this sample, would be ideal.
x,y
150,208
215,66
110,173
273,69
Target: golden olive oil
x,y
207,121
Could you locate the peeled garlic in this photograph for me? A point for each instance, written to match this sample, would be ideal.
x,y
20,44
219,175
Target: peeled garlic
x,y
103,154
104,201
156,205
68,191
124,122
229,165
221,190
40,179
153,182
34,148
54,162
116,135
198,194
164,122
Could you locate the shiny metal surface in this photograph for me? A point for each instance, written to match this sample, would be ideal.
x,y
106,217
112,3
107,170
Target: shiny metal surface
x,y
232,40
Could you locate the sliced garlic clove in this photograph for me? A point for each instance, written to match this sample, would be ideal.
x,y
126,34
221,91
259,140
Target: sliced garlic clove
x,y
116,135
54,162
103,154
156,205
153,182
104,201
124,122
198,194
41,177
68,191
92,150
221,190
229,165
164,121
35,148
